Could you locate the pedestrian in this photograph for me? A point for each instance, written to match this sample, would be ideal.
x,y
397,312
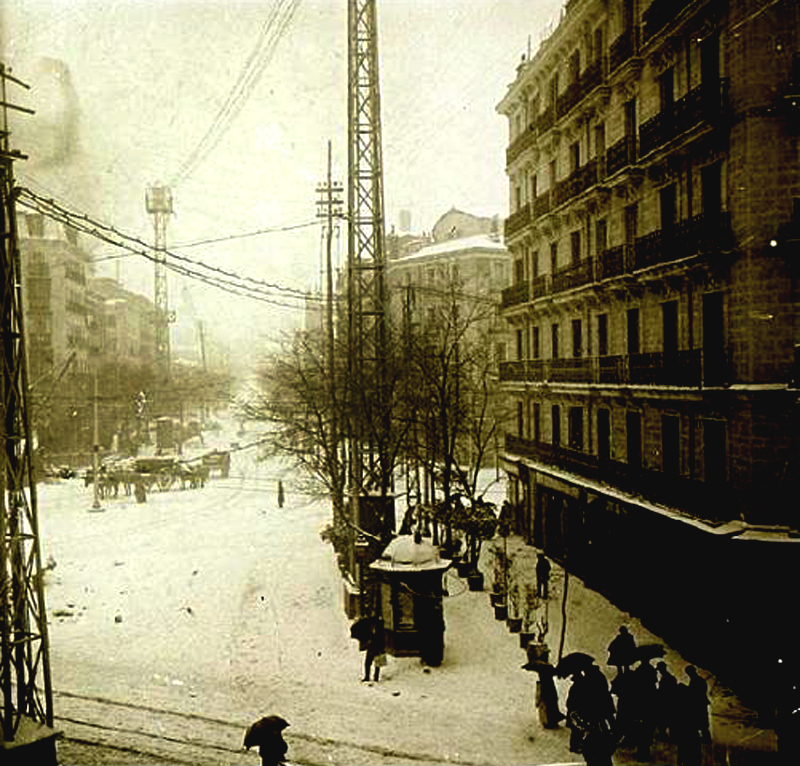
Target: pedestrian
x,y
280,494
643,709
577,711
376,649
665,703
699,702
602,704
684,730
139,492
542,575
265,734
550,715
622,650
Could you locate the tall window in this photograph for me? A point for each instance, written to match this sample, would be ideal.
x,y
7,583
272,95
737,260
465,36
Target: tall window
x,y
670,444
633,331
576,428
554,341
631,223
669,321
537,422
574,65
713,339
520,419
714,451
601,236
633,421
666,90
577,338
598,43
630,128
520,345
603,434
553,257
574,156
711,180
668,210
555,415
599,139
534,186
551,174
535,264
602,334
575,247
519,271
536,347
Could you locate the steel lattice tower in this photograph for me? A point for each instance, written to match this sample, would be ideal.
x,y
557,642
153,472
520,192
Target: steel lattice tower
x,y
366,235
25,661
158,202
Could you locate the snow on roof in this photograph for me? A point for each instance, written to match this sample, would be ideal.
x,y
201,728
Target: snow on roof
x,y
460,245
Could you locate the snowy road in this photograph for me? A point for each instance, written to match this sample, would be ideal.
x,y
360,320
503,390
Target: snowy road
x,y
216,603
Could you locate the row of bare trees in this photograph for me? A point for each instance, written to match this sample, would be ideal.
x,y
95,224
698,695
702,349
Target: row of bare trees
x,y
432,415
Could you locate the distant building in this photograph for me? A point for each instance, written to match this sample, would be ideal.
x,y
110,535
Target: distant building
x,y
55,270
654,183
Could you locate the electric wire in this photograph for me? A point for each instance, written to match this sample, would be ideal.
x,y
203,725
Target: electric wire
x,y
271,33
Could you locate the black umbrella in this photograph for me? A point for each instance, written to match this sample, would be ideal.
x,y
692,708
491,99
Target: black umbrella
x,y
361,629
573,663
263,729
645,652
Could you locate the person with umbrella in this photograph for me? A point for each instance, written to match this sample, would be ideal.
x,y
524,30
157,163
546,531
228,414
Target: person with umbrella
x,y
265,734
579,702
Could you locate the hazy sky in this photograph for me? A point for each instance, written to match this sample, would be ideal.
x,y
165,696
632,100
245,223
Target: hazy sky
x,y
125,90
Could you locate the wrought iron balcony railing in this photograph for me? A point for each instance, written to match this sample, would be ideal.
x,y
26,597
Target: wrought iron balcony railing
x,y
541,286
621,154
576,275
518,220
659,14
521,143
541,205
514,295
623,48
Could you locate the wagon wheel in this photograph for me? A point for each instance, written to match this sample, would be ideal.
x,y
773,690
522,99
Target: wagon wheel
x,y
165,479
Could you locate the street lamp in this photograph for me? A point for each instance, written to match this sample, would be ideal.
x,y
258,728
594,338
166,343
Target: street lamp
x,y
96,450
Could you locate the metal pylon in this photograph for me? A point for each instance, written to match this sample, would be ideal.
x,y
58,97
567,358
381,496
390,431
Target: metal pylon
x,y
24,660
366,234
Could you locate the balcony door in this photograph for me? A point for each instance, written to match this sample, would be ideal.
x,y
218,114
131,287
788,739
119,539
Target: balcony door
x,y
633,421
713,340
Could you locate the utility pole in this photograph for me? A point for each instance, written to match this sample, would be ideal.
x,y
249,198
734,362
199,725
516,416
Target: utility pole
x,y
329,206
26,703
158,201
96,448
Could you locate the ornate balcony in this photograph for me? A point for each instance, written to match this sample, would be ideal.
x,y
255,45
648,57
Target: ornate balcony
x,y
613,262
546,119
659,14
678,368
621,154
577,182
672,490
569,277
514,295
540,286
517,221
512,371
571,96
623,48
572,370
704,103
541,205
521,143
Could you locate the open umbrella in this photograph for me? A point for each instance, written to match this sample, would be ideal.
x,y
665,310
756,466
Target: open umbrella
x,y
573,663
645,652
264,729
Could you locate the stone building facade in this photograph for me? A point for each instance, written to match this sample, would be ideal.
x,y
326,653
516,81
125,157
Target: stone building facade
x,y
654,186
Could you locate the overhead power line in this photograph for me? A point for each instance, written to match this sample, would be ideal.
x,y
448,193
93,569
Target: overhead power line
x,y
271,32
215,276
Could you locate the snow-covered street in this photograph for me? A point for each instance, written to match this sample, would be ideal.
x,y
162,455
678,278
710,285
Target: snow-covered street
x,y
189,616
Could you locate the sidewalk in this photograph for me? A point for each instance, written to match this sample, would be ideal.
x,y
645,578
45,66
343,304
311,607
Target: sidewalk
x,y
476,708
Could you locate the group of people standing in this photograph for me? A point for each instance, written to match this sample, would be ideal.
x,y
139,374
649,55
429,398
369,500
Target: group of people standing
x,y
650,703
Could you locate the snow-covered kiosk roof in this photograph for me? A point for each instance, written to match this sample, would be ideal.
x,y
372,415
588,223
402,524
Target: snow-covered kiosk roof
x,y
405,554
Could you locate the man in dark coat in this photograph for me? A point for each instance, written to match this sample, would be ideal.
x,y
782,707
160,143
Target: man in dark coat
x,y
542,576
622,650
699,702
376,647
666,708
643,692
